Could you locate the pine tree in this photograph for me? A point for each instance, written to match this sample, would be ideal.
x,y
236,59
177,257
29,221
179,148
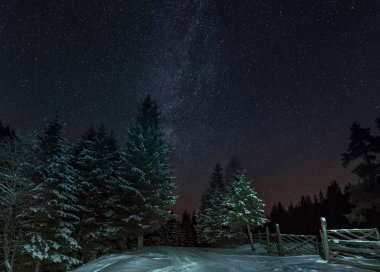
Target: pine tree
x,y
53,240
233,166
365,148
6,134
278,215
194,224
186,230
95,161
212,212
19,200
336,205
145,165
245,208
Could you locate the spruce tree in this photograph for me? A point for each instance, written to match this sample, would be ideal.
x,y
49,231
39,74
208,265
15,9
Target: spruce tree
x,y
245,208
336,206
95,161
19,200
6,134
194,223
212,212
364,150
145,165
186,230
233,166
53,241
278,215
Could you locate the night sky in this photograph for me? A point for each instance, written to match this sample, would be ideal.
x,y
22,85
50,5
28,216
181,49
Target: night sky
x,y
275,83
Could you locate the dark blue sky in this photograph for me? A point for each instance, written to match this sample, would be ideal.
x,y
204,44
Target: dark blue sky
x,y
275,83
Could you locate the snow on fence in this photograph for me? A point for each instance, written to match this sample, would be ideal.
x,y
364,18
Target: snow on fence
x,y
356,247
287,244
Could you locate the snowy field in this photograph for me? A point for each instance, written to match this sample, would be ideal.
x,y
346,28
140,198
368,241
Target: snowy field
x,y
167,259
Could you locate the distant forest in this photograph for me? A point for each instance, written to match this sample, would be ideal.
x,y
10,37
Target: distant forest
x,y
304,218
356,205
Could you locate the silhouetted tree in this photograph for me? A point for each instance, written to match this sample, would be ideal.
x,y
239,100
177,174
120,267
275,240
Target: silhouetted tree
x,y
336,206
364,148
278,215
6,133
304,217
187,232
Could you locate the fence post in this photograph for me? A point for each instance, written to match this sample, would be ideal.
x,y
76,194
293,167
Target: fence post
x,y
377,234
316,241
260,236
267,238
326,251
279,242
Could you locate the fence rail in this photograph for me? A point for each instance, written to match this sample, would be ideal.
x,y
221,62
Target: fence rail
x,y
346,245
355,247
287,244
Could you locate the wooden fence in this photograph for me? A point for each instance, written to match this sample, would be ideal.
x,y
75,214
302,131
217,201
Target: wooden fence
x,y
287,244
356,247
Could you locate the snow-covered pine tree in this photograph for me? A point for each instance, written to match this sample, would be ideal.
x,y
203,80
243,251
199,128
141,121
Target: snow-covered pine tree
x,y
19,199
53,241
174,233
145,160
211,216
245,208
95,161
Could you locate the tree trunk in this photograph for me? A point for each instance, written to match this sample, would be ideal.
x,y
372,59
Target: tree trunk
x,y
38,265
250,236
140,242
8,266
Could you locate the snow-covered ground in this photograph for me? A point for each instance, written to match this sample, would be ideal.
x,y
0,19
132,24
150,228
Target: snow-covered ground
x,y
181,259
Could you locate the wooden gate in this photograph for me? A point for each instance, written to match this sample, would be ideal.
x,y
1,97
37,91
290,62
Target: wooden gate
x,y
294,244
356,247
272,244
291,244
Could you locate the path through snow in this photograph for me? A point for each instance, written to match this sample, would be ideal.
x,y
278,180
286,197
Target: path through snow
x,y
181,259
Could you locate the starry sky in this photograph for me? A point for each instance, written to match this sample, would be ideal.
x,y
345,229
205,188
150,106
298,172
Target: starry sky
x,y
275,83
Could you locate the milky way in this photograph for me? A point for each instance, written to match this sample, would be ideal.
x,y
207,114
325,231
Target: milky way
x,y
275,83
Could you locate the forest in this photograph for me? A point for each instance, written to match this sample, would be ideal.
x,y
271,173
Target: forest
x,y
63,204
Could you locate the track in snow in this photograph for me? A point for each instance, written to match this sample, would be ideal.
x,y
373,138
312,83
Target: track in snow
x,y
181,259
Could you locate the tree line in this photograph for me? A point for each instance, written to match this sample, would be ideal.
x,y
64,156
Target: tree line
x,y
304,217
63,203
176,232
